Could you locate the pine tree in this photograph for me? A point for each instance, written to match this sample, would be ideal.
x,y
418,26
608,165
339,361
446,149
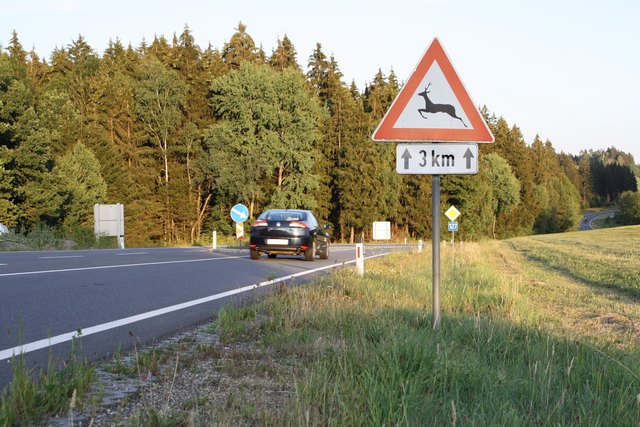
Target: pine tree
x,y
241,48
84,66
284,55
318,71
8,210
511,146
570,168
36,70
212,65
584,170
367,184
161,49
17,57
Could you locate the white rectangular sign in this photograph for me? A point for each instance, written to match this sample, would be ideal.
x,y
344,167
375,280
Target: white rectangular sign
x,y
381,230
437,159
109,219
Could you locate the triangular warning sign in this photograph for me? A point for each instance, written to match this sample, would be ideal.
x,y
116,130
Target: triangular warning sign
x,y
433,106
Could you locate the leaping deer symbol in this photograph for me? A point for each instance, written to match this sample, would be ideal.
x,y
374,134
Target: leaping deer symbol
x,y
430,107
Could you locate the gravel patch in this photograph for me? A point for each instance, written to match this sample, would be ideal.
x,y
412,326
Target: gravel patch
x,y
191,379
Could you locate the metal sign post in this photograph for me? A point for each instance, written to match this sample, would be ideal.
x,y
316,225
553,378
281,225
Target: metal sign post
x,y
435,248
452,213
453,227
239,214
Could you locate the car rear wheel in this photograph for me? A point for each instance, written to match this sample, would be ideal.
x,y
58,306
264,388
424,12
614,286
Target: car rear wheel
x,y
272,255
325,253
254,254
310,253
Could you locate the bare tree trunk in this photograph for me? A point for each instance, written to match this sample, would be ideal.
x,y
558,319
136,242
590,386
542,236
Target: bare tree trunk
x,y
165,157
111,131
280,178
493,228
252,205
201,211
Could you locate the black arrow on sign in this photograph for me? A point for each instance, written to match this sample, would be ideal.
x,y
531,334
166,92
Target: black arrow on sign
x,y
468,156
406,156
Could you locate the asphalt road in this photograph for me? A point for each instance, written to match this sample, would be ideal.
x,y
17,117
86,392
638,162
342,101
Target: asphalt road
x,y
114,297
587,220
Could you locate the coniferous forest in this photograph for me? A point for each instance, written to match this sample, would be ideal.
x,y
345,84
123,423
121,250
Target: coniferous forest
x,y
179,134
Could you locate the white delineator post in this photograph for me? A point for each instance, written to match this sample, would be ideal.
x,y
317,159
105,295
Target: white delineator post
x,y
360,258
214,241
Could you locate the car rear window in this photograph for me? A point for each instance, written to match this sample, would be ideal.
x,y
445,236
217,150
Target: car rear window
x,y
286,216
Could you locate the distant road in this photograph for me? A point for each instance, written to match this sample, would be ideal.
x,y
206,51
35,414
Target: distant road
x,y
587,220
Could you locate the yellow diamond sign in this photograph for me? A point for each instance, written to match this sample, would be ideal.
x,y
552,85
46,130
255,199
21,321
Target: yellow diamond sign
x,y
452,213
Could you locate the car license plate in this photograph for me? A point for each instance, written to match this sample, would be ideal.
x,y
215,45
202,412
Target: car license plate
x,y
277,242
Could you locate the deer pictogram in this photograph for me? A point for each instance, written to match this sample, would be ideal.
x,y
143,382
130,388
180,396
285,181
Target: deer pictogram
x,y
430,107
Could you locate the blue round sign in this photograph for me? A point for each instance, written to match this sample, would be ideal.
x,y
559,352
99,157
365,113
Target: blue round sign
x,y
239,213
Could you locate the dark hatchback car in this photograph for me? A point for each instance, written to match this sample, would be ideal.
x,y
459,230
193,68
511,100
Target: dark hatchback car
x,y
289,232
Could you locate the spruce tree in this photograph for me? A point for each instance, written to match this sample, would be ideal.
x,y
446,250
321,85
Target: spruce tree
x,y
241,48
284,55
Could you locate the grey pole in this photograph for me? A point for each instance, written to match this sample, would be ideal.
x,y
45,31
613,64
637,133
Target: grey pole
x,y
435,242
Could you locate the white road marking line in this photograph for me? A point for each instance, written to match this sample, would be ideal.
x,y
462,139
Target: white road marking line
x,y
132,253
61,256
103,267
48,342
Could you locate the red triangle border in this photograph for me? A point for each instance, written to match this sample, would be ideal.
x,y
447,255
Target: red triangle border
x,y
478,131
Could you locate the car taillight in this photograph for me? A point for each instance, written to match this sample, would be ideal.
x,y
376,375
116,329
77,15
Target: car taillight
x,y
297,224
260,223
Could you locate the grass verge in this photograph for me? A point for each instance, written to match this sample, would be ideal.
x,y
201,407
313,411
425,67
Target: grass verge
x,y
368,354
32,397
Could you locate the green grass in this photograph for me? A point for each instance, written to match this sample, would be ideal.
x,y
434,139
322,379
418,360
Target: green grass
x,y
603,223
602,258
32,396
503,356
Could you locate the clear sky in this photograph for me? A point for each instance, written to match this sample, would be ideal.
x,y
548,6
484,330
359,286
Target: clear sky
x,y
567,70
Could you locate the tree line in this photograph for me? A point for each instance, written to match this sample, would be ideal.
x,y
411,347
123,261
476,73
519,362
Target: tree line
x,y
179,134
